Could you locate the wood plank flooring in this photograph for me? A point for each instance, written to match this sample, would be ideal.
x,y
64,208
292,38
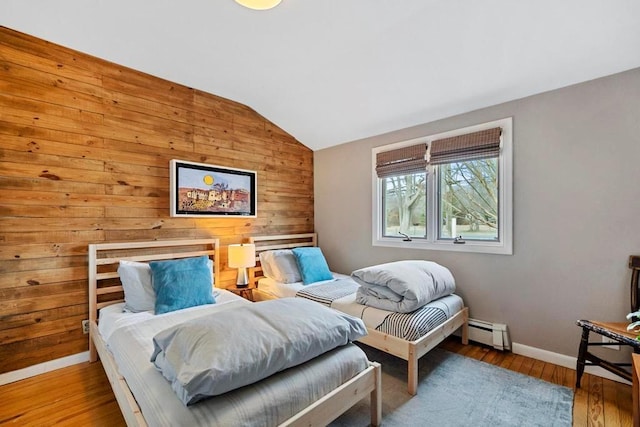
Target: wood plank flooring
x,y
81,394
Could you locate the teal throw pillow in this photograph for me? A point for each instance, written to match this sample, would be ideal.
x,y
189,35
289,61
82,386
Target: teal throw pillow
x,y
312,265
182,283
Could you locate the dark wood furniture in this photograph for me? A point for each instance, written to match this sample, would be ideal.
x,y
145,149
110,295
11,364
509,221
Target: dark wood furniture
x,y
616,331
245,292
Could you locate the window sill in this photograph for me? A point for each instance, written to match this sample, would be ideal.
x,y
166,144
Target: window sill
x,y
468,246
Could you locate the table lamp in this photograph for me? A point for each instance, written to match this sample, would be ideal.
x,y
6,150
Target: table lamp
x,y
242,256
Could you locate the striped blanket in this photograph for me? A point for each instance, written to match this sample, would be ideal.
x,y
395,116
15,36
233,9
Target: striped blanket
x,y
411,326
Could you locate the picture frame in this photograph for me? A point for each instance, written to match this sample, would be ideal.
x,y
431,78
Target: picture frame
x,y
203,190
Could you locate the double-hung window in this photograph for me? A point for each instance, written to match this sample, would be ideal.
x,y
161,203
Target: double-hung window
x,y
450,191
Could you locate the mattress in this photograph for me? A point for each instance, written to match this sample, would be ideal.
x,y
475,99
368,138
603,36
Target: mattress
x,y
408,326
268,402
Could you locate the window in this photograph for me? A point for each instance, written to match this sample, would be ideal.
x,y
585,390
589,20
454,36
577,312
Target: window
x,y
450,191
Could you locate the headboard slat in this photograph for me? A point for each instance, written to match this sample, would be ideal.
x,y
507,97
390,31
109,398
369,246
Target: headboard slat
x,y
313,236
283,246
104,276
109,290
107,261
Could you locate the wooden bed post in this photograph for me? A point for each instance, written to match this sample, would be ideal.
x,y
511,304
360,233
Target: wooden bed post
x,y
465,328
376,396
412,368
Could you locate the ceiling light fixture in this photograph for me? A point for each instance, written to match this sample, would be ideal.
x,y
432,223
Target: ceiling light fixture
x,y
259,4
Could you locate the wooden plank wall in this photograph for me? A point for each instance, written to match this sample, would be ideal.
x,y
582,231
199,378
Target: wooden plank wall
x,y
84,151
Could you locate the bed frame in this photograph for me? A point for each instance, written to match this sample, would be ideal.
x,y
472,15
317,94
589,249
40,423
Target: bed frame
x,y
410,351
105,289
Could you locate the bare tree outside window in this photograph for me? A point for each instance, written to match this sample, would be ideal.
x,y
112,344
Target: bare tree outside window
x,y
469,199
405,205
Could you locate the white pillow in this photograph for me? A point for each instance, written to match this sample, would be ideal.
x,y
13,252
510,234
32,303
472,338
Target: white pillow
x,y
138,290
139,294
280,265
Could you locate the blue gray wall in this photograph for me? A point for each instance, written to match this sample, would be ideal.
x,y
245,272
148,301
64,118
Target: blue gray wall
x,y
576,211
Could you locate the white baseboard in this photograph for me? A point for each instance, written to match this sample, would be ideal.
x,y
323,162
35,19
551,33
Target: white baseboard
x,y
563,360
42,368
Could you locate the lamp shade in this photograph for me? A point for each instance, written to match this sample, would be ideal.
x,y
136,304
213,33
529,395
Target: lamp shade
x,y
243,255
259,4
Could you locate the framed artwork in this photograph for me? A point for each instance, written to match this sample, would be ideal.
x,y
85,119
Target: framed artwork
x,y
202,190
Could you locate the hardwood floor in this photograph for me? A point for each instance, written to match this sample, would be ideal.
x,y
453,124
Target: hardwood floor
x,y
81,394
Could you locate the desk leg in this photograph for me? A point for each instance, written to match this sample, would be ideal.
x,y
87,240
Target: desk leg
x,y
635,393
582,354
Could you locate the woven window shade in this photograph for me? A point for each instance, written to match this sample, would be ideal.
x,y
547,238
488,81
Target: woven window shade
x,y
472,146
402,161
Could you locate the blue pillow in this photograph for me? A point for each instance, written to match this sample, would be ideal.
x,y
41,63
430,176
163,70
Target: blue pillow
x,y
181,283
312,265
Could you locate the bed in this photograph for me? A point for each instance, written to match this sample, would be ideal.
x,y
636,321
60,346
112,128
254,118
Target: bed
x,y
409,345
312,393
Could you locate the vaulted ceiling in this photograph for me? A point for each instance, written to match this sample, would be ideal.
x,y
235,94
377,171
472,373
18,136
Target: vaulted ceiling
x,y
334,71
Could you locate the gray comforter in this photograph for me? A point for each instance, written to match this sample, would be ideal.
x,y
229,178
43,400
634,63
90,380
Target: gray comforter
x,y
216,353
403,286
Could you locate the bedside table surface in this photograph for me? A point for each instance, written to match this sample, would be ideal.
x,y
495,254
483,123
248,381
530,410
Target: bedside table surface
x,y
244,292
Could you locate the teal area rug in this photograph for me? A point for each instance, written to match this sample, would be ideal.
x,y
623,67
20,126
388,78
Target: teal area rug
x,y
459,391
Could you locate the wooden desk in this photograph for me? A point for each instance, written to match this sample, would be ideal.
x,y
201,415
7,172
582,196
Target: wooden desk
x,y
635,391
617,331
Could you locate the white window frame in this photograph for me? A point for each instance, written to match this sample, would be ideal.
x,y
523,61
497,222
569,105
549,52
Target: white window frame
x,y
505,198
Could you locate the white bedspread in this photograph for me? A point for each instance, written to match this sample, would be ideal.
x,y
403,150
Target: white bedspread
x,y
268,402
113,316
275,289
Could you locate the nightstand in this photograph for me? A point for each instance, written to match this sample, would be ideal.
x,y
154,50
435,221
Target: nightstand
x,y
246,292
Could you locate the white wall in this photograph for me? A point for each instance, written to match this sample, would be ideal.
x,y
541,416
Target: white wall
x,y
576,211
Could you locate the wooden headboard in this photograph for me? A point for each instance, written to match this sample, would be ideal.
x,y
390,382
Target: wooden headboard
x,y
104,284
283,241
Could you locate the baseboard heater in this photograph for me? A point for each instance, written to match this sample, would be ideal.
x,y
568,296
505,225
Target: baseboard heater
x,y
491,334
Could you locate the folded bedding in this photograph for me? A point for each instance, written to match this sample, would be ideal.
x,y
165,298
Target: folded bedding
x,y
403,286
205,357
